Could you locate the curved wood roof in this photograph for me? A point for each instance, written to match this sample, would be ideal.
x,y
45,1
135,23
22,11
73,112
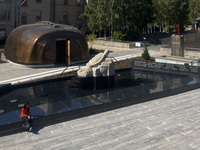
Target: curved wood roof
x,y
21,41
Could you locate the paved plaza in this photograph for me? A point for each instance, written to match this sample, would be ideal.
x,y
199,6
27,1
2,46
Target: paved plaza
x,y
170,123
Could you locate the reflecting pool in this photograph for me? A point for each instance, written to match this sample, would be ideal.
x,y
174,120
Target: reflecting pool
x,y
61,96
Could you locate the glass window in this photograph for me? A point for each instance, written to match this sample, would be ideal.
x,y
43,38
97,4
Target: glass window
x,y
8,14
65,2
23,19
24,3
65,15
3,1
78,2
77,15
39,1
2,34
2,14
38,15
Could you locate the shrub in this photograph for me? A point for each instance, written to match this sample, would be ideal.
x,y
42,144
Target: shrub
x,y
118,35
145,54
91,38
168,29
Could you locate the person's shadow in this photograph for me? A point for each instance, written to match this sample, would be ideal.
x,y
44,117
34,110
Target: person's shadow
x,y
37,129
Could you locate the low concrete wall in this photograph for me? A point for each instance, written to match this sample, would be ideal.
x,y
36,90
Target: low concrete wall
x,y
192,52
165,68
165,50
115,44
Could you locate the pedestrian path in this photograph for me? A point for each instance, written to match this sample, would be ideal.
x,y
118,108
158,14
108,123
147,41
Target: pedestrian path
x,y
170,123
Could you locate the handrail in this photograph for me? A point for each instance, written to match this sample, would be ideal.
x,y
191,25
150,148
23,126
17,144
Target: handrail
x,y
64,70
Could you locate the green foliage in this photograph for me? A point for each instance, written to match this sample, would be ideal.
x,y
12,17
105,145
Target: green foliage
x,y
171,12
194,7
134,15
127,36
168,29
118,35
118,15
173,28
145,54
91,38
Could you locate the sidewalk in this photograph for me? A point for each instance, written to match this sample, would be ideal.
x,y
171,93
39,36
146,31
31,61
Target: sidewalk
x,y
170,123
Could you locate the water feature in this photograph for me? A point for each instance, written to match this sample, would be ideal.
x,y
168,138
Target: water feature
x,y
66,95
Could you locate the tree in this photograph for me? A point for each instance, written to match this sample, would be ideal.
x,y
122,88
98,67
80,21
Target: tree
x,y
194,8
103,15
171,12
143,13
91,38
90,14
145,54
118,15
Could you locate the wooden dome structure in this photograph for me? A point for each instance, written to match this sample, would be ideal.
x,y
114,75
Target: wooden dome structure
x,y
46,43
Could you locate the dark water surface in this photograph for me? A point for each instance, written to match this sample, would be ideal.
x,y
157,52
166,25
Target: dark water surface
x,y
61,96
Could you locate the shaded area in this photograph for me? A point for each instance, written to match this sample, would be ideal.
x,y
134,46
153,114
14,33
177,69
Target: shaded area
x,y
65,96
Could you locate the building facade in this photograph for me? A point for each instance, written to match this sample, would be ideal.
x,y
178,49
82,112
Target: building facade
x,y
14,13
67,12
6,13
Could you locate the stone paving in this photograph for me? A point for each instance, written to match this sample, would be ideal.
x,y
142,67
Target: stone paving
x,y
170,123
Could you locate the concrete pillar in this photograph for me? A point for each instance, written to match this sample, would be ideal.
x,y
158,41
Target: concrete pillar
x,y
177,45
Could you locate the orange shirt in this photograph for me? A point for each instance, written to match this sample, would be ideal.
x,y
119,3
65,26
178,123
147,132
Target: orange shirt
x,y
24,111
